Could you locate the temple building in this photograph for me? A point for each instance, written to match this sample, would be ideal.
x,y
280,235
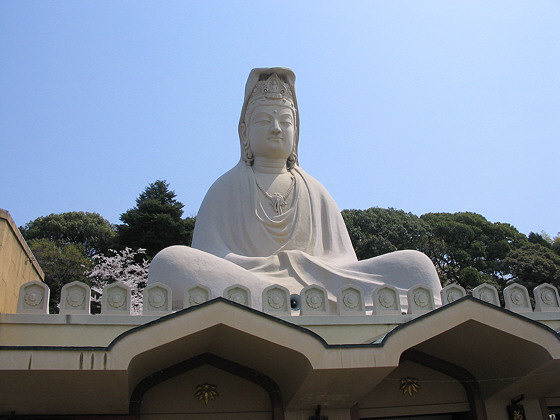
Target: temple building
x,y
292,358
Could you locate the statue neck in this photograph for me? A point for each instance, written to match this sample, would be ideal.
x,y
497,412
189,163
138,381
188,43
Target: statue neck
x,y
269,166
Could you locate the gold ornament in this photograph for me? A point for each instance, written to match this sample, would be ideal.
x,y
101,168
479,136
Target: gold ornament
x,y
206,392
517,415
409,385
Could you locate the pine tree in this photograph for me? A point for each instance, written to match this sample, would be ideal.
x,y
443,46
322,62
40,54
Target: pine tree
x,y
155,222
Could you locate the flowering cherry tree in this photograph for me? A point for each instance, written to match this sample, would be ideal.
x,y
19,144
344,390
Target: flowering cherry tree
x,y
121,266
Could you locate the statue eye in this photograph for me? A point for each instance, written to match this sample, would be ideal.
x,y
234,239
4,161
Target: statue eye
x,y
261,118
286,121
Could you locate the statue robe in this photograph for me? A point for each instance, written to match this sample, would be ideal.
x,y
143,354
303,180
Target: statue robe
x,y
236,241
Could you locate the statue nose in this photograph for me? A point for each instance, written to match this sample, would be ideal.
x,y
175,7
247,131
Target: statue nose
x,y
275,128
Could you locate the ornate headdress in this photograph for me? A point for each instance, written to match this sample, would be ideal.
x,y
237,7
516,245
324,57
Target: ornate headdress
x,y
271,88
275,83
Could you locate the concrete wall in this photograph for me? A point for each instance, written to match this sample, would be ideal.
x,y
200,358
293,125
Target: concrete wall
x,y
438,393
17,264
236,399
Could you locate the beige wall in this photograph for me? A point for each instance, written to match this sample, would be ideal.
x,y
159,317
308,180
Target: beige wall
x,y
237,398
438,393
17,264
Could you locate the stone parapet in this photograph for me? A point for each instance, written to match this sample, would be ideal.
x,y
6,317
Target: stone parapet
x,y
312,302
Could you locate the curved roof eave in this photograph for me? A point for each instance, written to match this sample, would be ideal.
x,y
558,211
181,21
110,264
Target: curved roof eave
x,y
396,341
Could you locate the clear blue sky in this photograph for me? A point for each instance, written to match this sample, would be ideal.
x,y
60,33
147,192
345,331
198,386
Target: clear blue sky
x,y
425,106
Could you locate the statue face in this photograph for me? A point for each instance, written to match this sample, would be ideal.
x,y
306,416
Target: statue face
x,y
271,131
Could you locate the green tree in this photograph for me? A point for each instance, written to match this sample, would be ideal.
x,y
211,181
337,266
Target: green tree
x,y
556,244
465,247
545,240
376,231
467,240
61,264
533,264
540,238
155,222
95,233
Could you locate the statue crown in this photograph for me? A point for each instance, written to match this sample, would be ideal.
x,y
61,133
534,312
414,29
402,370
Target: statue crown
x,y
272,88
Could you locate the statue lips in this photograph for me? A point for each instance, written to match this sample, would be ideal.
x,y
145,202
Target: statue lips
x,y
276,142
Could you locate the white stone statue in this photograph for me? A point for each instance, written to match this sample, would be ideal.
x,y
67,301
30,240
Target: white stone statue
x,y
266,221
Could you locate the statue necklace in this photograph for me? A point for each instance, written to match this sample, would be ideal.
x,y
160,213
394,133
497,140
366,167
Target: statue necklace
x,y
277,200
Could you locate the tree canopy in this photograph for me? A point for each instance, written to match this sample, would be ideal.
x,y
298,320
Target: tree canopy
x,y
63,245
462,240
61,264
545,240
376,231
95,233
155,222
533,264
465,247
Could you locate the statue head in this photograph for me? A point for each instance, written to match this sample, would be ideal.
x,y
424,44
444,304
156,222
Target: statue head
x,y
269,86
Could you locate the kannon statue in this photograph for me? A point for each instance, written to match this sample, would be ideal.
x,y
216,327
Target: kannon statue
x,y
266,221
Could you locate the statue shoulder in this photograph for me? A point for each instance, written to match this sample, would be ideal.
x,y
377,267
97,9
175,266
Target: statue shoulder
x,y
313,185
227,182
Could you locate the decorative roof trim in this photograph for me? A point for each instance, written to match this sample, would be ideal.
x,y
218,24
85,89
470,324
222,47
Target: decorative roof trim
x,y
376,344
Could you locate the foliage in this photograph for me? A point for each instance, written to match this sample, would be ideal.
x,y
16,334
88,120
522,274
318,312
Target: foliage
x,y
461,240
556,244
533,264
540,238
545,240
61,264
376,231
155,222
465,247
88,229
121,266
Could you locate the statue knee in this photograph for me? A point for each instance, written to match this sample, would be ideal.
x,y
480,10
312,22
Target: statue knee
x,y
421,268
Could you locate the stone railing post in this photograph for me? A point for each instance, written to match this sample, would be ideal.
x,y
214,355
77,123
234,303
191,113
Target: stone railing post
x,y
350,301
75,298
314,301
157,299
34,298
451,293
420,300
386,301
238,294
276,300
116,299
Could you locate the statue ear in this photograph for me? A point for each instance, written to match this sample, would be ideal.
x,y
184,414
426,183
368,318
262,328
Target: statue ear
x,y
243,133
247,153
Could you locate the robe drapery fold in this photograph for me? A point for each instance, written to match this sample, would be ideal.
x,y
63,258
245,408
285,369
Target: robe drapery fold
x,y
232,221
239,239
307,244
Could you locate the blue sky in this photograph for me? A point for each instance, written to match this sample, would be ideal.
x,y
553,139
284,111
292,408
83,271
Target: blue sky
x,y
425,106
